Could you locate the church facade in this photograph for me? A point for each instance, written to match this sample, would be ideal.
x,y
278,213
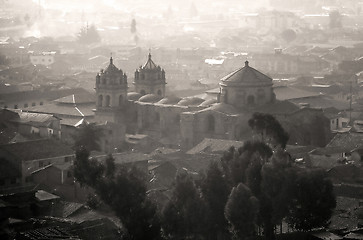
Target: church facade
x,y
184,122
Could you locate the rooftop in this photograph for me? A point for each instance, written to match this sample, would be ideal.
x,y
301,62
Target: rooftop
x,y
38,149
209,145
246,76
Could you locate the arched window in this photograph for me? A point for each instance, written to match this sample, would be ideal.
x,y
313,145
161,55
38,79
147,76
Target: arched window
x,y
108,101
159,92
120,100
142,92
211,123
251,100
100,100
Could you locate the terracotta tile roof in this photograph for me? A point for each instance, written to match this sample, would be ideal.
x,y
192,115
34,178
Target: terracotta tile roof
x,y
30,95
78,98
288,93
348,141
38,149
42,195
278,107
209,145
62,109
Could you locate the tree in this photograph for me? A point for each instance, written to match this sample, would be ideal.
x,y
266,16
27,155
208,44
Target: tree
x,y
124,192
236,162
269,129
87,136
215,190
313,201
241,211
87,171
110,166
184,216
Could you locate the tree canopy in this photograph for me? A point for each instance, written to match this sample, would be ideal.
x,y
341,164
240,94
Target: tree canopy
x,y
87,136
124,191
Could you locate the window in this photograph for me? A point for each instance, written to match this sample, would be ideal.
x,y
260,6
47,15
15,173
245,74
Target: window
x,y
159,92
33,104
25,105
108,101
69,174
41,164
16,106
100,100
41,103
251,100
211,123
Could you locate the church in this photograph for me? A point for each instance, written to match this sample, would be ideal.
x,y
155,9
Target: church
x,y
184,122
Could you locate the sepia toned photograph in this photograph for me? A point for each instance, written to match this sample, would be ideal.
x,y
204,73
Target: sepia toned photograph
x,y
181,120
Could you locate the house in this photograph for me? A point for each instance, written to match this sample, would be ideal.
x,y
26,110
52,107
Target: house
x,y
53,174
43,125
29,156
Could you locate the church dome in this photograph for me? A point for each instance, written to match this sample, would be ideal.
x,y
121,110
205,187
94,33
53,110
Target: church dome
x,y
190,101
150,98
133,96
246,76
170,100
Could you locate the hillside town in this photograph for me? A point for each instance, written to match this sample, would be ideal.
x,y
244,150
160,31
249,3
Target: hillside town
x,y
152,120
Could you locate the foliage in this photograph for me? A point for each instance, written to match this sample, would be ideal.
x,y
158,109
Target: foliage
x,y
241,211
124,192
215,190
88,35
184,216
271,178
313,200
269,129
87,136
87,171
110,166
236,162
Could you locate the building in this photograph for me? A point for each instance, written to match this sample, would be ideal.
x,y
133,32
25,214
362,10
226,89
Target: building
x,y
184,122
29,156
